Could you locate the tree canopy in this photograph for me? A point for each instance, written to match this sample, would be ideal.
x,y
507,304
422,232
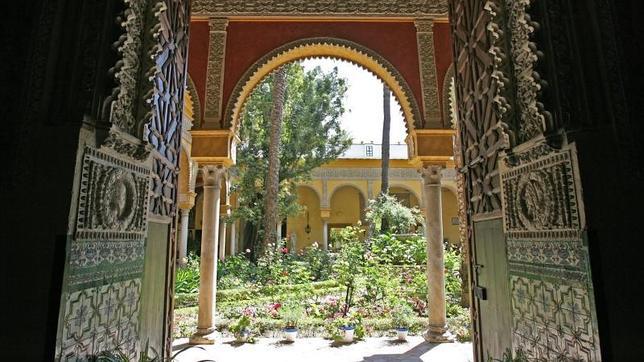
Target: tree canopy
x,y
310,137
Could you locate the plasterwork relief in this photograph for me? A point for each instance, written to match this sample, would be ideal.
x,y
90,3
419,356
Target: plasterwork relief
x,y
408,8
429,85
214,81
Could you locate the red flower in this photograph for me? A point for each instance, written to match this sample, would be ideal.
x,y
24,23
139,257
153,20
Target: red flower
x,y
284,250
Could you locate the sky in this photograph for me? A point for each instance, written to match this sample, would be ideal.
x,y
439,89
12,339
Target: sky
x,y
363,118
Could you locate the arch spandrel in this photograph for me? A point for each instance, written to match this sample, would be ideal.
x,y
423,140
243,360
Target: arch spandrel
x,y
323,47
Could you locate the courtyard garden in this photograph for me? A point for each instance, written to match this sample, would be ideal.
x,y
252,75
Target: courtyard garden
x,y
374,286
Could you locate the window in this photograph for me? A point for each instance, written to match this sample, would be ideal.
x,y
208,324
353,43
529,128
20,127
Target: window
x,y
369,151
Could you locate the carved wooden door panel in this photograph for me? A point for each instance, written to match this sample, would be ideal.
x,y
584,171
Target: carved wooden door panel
x,y
518,167
125,181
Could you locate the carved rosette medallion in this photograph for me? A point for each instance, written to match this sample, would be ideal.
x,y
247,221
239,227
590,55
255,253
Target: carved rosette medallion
x,y
116,197
536,207
113,200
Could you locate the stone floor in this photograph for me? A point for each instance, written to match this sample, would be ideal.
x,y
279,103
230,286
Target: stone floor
x,y
322,350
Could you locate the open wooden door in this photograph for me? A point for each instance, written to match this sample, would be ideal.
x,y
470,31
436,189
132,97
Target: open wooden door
x,y
532,286
119,272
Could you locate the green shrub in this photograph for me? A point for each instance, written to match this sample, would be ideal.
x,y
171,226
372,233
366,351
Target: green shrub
x,y
318,262
399,250
401,219
187,279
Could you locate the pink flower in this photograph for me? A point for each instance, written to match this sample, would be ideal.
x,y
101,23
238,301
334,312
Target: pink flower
x,y
284,250
249,312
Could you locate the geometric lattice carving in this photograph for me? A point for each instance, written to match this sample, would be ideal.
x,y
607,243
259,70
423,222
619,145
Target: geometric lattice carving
x,y
113,198
102,318
168,73
482,107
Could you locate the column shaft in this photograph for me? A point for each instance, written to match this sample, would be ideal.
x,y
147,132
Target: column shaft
x,y
325,234
208,265
437,331
183,236
222,240
233,238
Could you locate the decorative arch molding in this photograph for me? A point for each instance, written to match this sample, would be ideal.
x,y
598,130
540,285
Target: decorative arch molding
x,y
196,103
446,100
353,185
323,47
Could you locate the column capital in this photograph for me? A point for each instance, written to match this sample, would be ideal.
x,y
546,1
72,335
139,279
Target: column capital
x,y
217,24
431,174
186,200
424,25
213,174
325,214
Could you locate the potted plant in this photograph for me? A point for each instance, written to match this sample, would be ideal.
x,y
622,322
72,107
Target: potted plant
x,y
291,315
346,329
402,316
241,329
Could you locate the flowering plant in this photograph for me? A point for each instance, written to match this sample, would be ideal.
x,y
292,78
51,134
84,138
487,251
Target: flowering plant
x,y
291,314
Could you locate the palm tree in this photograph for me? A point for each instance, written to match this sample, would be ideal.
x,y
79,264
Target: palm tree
x,y
272,178
386,125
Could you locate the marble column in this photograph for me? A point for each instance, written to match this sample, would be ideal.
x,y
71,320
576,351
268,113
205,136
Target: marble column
x,y
437,330
325,234
222,239
183,236
212,176
233,238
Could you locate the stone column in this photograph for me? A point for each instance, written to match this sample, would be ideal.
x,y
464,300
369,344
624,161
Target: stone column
x,y
233,238
183,236
222,239
437,331
212,176
325,234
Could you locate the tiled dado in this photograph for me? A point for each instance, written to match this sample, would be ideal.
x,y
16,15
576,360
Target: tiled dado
x,y
552,321
101,318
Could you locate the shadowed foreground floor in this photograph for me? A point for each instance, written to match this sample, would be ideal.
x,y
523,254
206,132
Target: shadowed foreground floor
x,y
319,349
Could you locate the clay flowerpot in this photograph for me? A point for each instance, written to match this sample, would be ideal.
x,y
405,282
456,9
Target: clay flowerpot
x,y
402,333
347,334
242,336
290,334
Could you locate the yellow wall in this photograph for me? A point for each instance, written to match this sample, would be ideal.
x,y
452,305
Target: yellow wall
x,y
310,201
413,200
345,206
450,210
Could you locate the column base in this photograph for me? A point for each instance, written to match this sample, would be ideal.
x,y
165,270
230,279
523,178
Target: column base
x,y
438,335
203,336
